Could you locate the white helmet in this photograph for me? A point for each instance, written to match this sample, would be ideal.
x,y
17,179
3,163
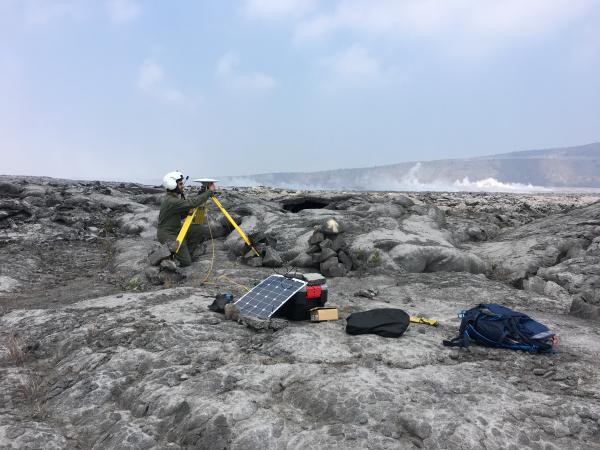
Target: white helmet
x,y
170,180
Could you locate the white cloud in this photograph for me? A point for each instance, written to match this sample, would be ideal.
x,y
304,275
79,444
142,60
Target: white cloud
x,y
272,9
454,23
152,81
172,95
354,64
151,74
227,64
122,11
227,71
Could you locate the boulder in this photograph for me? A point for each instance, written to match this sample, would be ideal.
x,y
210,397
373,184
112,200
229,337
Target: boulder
x,y
152,275
255,262
313,249
332,268
271,258
316,238
9,189
404,201
159,254
326,254
581,308
302,260
338,243
169,265
331,227
326,243
345,260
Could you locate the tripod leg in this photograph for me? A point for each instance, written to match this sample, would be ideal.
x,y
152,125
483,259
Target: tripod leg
x,y
184,228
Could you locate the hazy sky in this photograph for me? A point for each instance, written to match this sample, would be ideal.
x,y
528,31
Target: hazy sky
x,y
131,89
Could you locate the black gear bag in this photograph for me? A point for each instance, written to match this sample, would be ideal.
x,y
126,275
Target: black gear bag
x,y
386,322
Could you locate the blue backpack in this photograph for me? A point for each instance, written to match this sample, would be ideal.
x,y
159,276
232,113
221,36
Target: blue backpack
x,y
497,326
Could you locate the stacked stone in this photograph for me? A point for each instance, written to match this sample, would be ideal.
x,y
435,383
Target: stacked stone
x,y
329,250
265,245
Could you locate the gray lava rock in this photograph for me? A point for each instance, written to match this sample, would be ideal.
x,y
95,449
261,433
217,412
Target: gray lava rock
x,y
169,265
264,324
313,249
367,293
156,369
159,254
338,243
404,201
271,258
302,260
255,261
152,275
345,260
326,254
333,268
326,243
10,189
316,238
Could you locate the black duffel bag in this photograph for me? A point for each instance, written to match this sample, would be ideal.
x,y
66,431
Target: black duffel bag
x,y
386,322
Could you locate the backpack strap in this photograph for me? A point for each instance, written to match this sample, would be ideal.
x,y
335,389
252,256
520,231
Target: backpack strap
x,y
462,340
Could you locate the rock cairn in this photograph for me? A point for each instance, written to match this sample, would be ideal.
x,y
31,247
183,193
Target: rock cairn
x,y
329,250
265,245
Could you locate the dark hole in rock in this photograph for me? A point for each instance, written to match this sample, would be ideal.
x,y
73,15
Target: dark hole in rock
x,y
298,204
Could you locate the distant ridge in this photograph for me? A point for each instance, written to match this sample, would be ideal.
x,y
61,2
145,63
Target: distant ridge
x,y
566,167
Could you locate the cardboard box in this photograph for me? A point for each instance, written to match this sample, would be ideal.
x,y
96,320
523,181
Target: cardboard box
x,y
324,313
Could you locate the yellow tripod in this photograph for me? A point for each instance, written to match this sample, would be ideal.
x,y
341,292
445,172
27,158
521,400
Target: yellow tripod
x,y
197,215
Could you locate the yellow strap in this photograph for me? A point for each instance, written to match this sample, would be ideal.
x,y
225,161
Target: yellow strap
x,y
423,320
235,225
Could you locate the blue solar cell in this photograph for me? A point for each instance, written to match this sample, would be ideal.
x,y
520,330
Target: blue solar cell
x,y
268,296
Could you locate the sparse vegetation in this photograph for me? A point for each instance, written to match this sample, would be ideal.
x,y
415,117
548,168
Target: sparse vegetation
x,y
15,349
375,259
360,262
108,227
134,284
168,284
35,393
109,254
361,257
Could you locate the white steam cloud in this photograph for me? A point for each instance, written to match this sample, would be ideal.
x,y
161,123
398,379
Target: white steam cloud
x,y
408,183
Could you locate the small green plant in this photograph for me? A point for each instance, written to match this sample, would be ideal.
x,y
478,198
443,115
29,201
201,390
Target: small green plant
x,y
361,257
375,259
108,228
134,284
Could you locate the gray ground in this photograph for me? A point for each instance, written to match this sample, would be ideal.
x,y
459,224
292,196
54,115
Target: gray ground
x,y
99,350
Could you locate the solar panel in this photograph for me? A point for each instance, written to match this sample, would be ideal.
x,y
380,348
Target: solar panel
x,y
264,299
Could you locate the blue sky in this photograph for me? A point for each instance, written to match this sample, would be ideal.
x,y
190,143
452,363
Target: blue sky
x,y
131,89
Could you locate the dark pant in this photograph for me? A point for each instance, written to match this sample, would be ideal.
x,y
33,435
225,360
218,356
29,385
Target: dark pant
x,y
196,235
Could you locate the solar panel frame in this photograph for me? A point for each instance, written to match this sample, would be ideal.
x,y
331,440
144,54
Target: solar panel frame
x,y
264,299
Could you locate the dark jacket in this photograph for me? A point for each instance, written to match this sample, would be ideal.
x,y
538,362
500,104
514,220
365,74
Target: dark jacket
x,y
173,209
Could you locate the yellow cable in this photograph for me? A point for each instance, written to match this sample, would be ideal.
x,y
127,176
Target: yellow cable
x,y
223,277
209,272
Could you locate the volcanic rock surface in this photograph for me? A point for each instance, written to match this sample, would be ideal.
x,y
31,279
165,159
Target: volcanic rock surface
x,y
100,349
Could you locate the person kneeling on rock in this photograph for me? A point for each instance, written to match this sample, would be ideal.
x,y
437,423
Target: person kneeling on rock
x,y
174,207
